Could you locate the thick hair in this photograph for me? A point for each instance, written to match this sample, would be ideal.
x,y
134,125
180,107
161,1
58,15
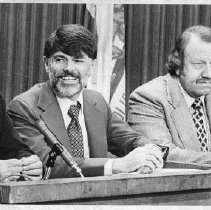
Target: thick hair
x,y
72,40
176,58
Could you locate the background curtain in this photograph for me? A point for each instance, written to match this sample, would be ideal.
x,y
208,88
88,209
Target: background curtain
x,y
150,31
23,31
150,34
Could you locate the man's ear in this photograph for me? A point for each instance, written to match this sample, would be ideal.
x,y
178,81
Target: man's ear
x,y
46,63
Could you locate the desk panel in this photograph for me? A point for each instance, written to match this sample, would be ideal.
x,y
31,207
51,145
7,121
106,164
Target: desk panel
x,y
190,197
130,189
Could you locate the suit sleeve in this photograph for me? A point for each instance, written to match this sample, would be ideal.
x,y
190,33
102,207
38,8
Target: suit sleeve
x,y
147,116
10,143
22,116
121,138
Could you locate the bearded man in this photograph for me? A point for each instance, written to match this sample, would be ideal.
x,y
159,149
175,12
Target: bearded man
x,y
79,118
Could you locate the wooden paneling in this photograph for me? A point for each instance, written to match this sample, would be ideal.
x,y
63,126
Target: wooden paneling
x,y
101,187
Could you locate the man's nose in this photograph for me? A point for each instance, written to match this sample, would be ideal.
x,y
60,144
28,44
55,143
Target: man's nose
x,y
207,71
70,65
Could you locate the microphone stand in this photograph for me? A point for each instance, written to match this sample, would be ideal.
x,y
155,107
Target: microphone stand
x,y
53,154
57,149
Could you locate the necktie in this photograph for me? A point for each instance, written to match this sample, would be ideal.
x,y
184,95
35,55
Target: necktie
x,y
75,132
200,124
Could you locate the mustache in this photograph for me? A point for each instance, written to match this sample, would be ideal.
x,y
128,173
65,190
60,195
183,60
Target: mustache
x,y
204,80
67,73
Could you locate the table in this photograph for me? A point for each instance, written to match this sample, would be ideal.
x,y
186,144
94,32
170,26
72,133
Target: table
x,y
169,188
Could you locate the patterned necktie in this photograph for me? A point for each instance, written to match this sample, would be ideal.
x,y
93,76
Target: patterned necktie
x,y
75,132
200,124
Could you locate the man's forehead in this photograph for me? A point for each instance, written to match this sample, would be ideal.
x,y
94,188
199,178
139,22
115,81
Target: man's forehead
x,y
76,55
198,48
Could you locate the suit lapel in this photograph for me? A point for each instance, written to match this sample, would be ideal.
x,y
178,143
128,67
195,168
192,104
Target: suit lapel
x,y
96,126
208,111
208,108
181,116
52,115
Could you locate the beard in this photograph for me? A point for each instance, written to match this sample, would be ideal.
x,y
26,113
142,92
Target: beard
x,y
66,90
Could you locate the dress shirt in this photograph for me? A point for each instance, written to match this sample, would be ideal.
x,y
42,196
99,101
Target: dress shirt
x,y
64,104
189,100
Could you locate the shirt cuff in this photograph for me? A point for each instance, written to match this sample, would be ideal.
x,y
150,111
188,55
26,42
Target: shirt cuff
x,y
108,167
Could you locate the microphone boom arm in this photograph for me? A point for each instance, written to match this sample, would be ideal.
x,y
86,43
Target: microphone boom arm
x,y
52,141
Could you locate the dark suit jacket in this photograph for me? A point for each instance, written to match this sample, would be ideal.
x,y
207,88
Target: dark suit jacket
x,y
160,113
10,143
105,131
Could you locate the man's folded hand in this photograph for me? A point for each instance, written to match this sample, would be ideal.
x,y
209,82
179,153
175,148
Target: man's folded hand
x,y
10,168
32,167
142,159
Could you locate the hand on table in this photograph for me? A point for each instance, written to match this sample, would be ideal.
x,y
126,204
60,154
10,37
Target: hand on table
x,y
32,167
142,159
10,167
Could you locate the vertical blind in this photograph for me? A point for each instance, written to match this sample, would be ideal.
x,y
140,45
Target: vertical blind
x,y
24,27
151,31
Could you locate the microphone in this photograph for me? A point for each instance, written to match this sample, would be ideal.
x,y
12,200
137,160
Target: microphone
x,y
52,140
